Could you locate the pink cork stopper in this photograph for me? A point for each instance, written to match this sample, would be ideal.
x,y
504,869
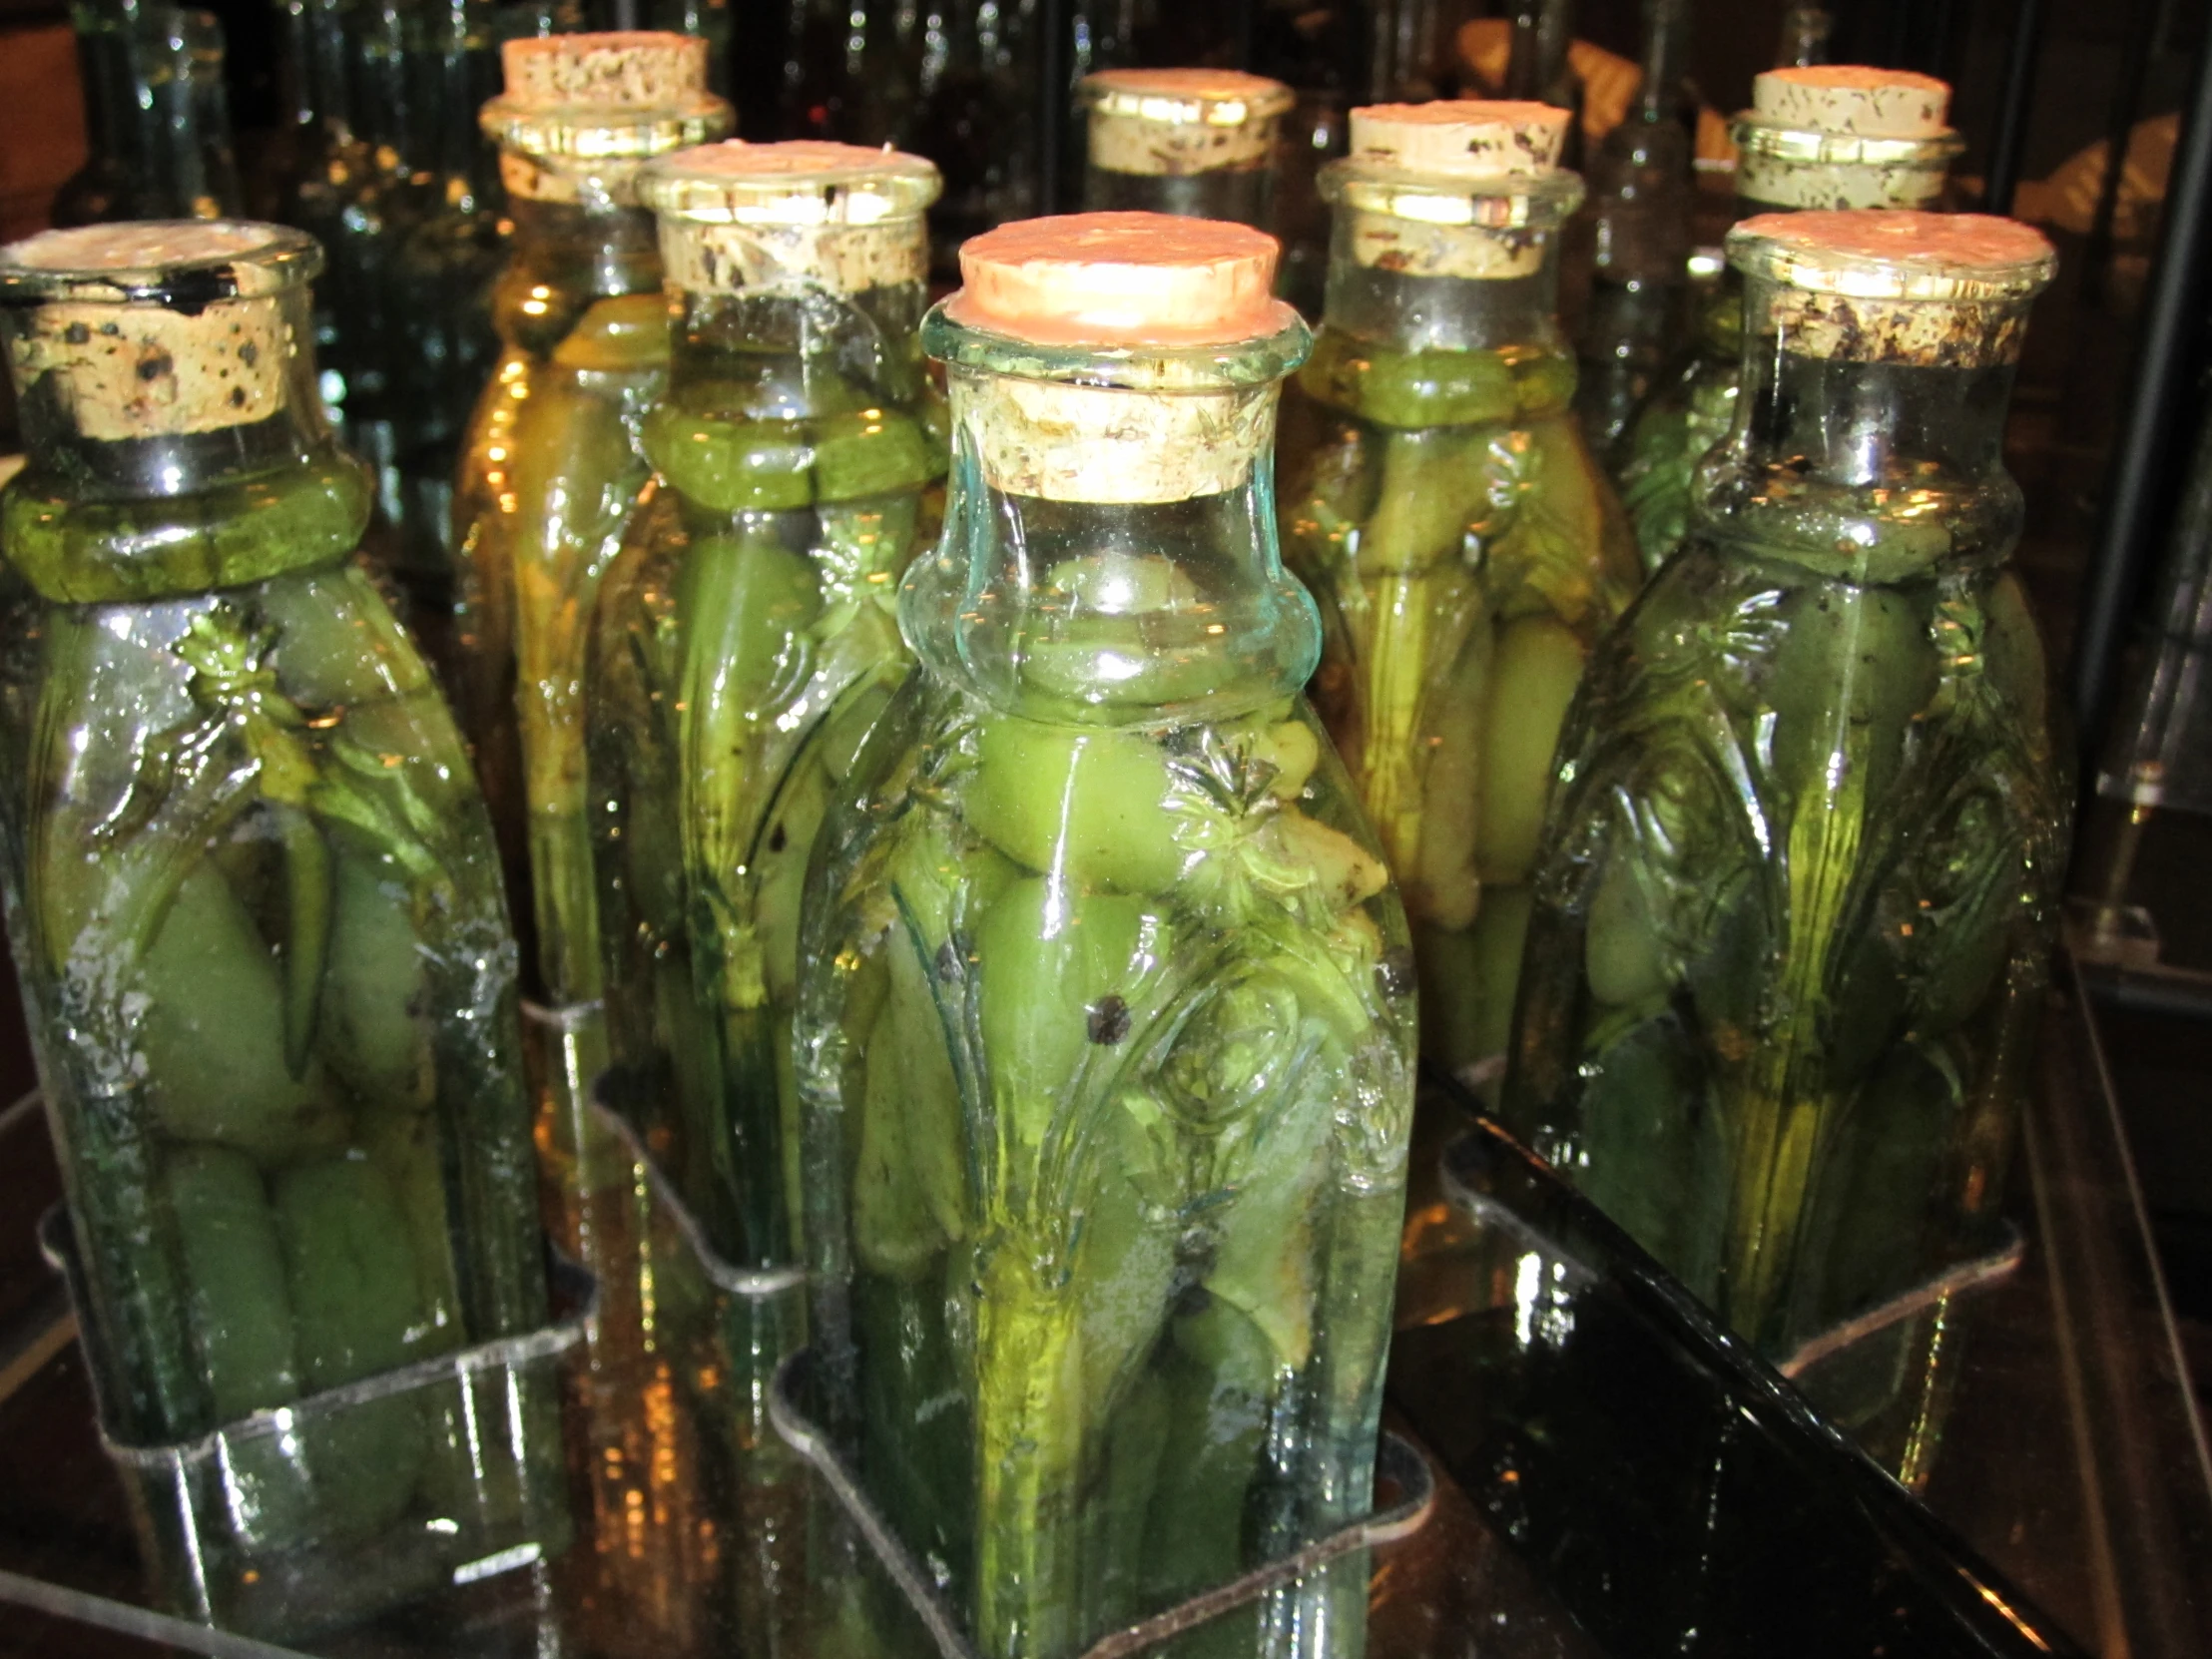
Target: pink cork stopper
x,y
1120,278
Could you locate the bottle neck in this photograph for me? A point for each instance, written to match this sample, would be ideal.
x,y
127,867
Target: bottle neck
x,y
153,80
1243,196
321,65
1110,557
564,256
797,351
453,71
378,65
1868,438
1468,290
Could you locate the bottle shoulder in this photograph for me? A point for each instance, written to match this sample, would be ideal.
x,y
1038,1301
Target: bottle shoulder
x,y
307,512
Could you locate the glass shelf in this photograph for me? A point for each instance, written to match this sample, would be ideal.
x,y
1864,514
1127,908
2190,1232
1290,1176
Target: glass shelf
x,y
2069,1480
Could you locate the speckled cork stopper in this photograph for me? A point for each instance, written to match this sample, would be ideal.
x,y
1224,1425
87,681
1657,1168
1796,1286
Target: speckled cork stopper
x,y
1492,148
736,215
1845,136
1852,99
1461,138
133,368
580,112
1121,279
635,69
1170,123
1937,290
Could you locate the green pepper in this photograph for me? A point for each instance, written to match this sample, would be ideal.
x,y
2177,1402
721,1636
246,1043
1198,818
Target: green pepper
x,y
375,1025
1533,676
240,1309
1409,389
874,453
726,466
350,1266
1084,803
213,1033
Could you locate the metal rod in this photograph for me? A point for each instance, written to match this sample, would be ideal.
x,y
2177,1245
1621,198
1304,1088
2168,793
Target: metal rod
x,y
2163,374
1052,100
2127,103
2010,140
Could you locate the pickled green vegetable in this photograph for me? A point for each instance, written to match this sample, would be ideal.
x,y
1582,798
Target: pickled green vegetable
x,y
1103,994
743,645
1466,555
1104,1035
1678,424
261,926
1796,900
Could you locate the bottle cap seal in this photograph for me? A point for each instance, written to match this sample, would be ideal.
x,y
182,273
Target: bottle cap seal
x,y
1896,286
736,216
1170,123
158,327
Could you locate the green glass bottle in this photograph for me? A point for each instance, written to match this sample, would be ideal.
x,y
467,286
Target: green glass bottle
x,y
745,640
1799,891
156,120
435,323
1441,505
1823,136
1106,1021
552,462
1633,327
249,882
1194,142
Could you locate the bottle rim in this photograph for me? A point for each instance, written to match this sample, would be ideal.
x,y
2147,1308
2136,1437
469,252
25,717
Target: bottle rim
x,y
1184,97
595,133
1896,255
1810,147
1507,201
798,181
1215,366
181,264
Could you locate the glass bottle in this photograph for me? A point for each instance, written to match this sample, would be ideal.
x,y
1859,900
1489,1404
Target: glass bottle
x,y
1441,505
1194,142
1639,183
1106,1024
552,462
1799,894
435,319
1804,40
156,120
745,643
331,185
1828,136
250,882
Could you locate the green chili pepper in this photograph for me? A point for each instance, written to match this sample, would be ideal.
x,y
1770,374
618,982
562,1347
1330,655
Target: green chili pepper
x,y
213,1034
240,1309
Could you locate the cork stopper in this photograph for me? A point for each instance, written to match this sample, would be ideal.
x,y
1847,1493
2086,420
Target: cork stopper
x,y
581,111
1120,278
741,216
157,329
1463,138
1170,123
1158,298
1852,99
1936,289
1453,188
632,69
1845,136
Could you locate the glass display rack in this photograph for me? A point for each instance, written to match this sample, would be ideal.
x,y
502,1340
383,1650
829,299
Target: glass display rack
x,y
1581,1463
